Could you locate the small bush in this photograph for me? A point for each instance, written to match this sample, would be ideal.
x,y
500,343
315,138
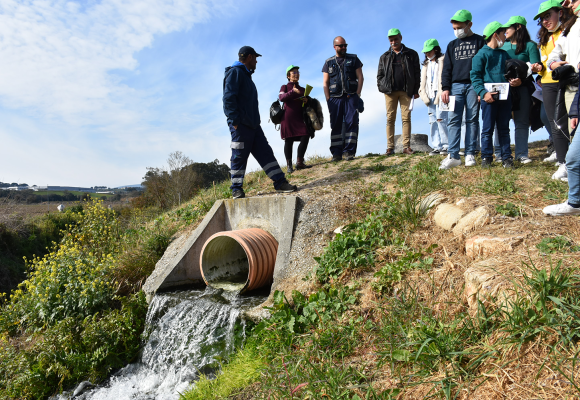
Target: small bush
x,y
509,210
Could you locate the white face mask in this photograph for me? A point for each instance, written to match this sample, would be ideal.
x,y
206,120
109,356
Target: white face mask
x,y
556,28
459,33
432,57
500,43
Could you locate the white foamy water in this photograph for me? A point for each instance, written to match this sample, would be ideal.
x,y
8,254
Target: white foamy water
x,y
188,330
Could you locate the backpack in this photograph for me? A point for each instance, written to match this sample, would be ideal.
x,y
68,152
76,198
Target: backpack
x,y
276,113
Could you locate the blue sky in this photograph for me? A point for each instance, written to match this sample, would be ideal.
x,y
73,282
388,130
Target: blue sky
x,y
94,92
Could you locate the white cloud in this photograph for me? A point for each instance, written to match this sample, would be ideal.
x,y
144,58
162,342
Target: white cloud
x,y
57,55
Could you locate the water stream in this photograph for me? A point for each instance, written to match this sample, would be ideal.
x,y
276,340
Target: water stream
x,y
189,330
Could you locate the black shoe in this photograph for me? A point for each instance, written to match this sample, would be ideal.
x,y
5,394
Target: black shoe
x,y
348,156
550,149
286,188
486,162
435,153
337,157
443,152
509,163
238,194
476,152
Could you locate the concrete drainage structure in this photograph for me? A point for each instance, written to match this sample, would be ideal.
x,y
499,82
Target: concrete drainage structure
x,y
181,263
240,260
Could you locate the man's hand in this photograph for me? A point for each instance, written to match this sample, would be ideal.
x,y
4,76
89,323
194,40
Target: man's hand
x,y
557,64
415,96
573,122
537,67
487,97
236,127
515,82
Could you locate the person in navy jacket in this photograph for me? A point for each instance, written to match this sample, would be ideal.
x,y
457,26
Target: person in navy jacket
x,y
241,109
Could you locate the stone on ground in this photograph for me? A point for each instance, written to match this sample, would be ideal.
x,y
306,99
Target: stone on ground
x,y
447,216
489,245
475,219
486,281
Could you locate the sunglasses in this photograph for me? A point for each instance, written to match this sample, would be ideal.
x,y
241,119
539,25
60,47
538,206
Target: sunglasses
x,y
341,45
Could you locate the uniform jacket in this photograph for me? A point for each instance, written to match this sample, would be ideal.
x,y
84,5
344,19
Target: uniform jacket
x,y
342,80
240,97
423,88
411,66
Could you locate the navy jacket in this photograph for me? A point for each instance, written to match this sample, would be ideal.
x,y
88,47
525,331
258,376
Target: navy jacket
x,y
240,97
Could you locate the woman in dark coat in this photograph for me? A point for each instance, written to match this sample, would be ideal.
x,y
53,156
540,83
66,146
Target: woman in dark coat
x,y
293,129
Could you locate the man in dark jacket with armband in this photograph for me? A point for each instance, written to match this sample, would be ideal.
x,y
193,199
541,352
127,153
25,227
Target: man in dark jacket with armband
x,y
342,80
241,108
399,78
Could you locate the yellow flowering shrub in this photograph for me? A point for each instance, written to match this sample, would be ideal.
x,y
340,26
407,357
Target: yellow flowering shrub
x,y
74,279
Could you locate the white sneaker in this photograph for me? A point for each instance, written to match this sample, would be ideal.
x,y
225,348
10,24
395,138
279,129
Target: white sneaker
x,y
561,173
461,153
552,158
449,163
561,209
469,160
525,160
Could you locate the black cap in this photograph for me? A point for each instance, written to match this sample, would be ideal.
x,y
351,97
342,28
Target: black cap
x,y
247,50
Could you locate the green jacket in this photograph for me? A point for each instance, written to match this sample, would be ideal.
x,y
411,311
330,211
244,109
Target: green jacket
x,y
488,66
531,54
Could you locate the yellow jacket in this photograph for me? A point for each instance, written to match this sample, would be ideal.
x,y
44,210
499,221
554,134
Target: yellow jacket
x,y
545,53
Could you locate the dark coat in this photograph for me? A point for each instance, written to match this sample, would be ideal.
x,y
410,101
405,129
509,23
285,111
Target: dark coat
x,y
411,66
240,97
293,122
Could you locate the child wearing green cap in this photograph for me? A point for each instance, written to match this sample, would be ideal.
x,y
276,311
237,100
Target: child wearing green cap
x,y
430,93
551,16
456,81
520,46
489,67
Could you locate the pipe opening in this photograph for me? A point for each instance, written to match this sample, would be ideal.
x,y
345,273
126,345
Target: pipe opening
x,y
225,264
240,260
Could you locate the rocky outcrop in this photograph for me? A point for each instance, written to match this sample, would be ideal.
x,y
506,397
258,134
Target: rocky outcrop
x,y
489,245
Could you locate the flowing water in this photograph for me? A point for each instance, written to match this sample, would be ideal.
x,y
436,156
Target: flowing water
x,y
189,330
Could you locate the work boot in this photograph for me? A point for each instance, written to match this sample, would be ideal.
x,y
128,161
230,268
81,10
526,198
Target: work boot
x,y
408,150
300,164
348,156
337,157
286,188
238,194
290,169
390,152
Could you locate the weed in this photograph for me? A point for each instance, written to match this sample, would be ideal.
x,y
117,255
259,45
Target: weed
x,y
555,190
557,244
509,210
498,183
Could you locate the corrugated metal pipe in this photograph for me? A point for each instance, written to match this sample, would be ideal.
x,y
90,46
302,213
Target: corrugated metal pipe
x,y
240,260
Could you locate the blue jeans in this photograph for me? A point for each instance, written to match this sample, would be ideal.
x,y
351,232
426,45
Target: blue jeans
x,y
497,113
246,141
438,122
573,165
465,99
522,124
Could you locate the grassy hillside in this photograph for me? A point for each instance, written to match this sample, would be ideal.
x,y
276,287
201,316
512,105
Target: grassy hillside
x,y
386,315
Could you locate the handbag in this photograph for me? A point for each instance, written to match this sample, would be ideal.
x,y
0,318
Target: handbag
x,y
276,113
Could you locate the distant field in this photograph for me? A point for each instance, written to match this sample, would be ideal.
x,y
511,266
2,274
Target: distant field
x,y
33,210
61,193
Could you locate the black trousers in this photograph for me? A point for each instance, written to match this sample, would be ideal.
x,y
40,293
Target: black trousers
x,y
560,135
289,143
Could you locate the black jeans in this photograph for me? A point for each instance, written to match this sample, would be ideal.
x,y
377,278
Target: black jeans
x,y
560,136
289,142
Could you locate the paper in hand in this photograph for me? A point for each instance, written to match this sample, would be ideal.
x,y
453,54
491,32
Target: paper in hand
x,y
449,106
412,105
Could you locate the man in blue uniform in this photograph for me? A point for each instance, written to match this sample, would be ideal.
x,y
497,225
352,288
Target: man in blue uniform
x,y
342,82
241,108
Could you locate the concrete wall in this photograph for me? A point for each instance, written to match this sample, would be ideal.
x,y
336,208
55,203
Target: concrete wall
x,y
179,266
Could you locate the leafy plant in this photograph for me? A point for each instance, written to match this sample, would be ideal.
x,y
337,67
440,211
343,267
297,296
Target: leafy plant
x,y
557,244
509,210
499,183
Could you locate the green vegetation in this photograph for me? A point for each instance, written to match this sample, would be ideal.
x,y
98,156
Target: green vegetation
x,y
557,244
509,210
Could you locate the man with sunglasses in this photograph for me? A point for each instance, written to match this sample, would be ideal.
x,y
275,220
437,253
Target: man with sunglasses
x,y
342,82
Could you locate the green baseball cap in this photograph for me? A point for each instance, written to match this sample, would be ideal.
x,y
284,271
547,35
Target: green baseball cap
x,y
394,32
291,67
430,45
547,5
515,20
491,28
462,16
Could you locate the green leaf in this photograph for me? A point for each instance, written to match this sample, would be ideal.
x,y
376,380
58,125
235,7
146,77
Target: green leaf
x,y
402,355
